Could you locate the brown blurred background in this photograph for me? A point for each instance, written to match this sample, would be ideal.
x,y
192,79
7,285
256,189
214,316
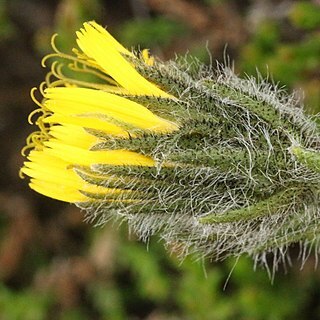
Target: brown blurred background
x,y
55,266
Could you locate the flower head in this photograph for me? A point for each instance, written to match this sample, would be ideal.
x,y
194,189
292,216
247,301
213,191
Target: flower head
x,y
220,165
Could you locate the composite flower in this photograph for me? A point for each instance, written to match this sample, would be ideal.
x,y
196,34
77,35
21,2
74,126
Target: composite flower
x,y
214,164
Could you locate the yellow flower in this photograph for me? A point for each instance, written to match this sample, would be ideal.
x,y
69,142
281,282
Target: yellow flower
x,y
216,164
76,115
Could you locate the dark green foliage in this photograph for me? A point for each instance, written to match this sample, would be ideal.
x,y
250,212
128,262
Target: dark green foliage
x,y
150,32
305,14
27,305
293,62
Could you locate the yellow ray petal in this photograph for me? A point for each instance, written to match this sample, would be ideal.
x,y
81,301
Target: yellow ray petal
x,y
77,101
106,37
58,192
79,156
73,135
40,157
41,172
47,170
96,45
51,177
149,60
87,122
43,166
67,178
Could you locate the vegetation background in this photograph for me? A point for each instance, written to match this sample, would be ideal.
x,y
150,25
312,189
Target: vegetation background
x,y
55,266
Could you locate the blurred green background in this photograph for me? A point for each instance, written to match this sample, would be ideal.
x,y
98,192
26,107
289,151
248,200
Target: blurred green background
x,y
55,266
